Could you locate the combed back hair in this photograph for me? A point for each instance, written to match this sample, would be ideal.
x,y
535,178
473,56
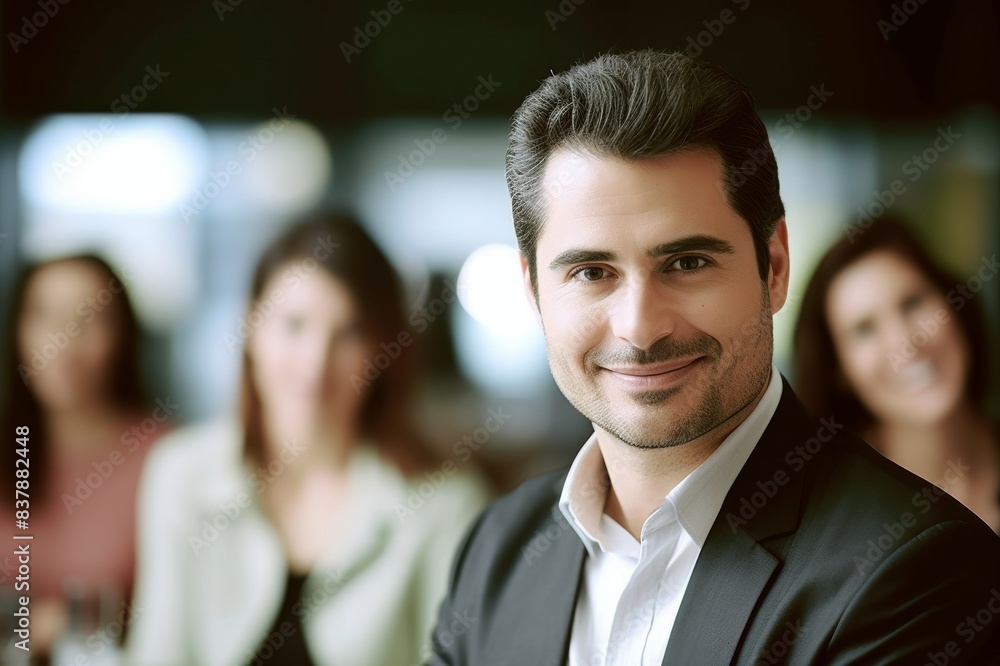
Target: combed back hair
x,y
637,105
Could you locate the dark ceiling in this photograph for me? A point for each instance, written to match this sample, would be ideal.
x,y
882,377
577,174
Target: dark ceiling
x,y
231,60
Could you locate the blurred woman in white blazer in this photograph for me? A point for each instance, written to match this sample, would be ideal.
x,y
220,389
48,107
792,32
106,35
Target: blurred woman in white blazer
x,y
313,527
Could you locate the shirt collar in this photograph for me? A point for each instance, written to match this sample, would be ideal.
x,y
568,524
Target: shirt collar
x,y
695,501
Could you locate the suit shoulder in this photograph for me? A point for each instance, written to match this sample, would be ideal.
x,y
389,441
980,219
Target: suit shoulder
x,y
537,493
510,520
859,483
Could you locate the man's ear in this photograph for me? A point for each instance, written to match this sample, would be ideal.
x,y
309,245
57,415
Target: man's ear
x,y
778,271
528,289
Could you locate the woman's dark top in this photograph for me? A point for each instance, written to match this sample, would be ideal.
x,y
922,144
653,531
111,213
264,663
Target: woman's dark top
x,y
285,643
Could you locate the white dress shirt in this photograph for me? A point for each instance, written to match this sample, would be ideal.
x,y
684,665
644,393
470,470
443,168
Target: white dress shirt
x,y
631,590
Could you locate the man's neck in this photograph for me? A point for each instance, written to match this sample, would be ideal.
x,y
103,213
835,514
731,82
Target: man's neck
x,y
642,478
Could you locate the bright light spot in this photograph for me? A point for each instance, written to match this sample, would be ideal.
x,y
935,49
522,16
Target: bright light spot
x,y
490,289
139,165
292,168
498,342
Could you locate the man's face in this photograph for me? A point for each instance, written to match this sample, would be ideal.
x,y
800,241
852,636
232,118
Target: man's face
x,y
657,323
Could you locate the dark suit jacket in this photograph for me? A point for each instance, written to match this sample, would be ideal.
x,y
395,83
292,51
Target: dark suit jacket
x,y
823,552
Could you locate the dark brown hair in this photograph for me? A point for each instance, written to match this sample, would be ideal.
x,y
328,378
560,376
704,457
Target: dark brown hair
x,y
637,105
361,266
819,381
21,407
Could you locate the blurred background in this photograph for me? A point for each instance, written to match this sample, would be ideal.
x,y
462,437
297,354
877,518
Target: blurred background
x,y
177,139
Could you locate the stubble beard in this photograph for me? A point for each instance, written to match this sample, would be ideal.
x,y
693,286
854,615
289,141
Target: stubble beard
x,y
660,428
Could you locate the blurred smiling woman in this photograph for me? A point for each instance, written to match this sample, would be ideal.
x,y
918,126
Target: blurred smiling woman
x,y
285,536
888,343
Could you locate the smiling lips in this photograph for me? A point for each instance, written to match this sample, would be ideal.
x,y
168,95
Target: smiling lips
x,y
653,368
917,375
653,374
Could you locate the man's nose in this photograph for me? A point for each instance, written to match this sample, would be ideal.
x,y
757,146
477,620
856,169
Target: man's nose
x,y
642,312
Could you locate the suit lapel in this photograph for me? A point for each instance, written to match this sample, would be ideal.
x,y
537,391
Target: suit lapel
x,y
734,568
539,634
730,575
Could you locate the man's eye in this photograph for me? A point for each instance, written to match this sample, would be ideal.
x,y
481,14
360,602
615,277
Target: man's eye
x,y
689,263
589,274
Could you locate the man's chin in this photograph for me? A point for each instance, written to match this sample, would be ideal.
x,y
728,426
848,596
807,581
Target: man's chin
x,y
642,429
643,404
661,397
648,440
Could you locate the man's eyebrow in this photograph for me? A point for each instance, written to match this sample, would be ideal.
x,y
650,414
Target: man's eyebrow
x,y
698,242
579,256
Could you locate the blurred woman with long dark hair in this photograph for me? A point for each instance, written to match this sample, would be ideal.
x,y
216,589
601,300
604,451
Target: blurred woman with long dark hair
x,y
315,527
73,386
895,348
